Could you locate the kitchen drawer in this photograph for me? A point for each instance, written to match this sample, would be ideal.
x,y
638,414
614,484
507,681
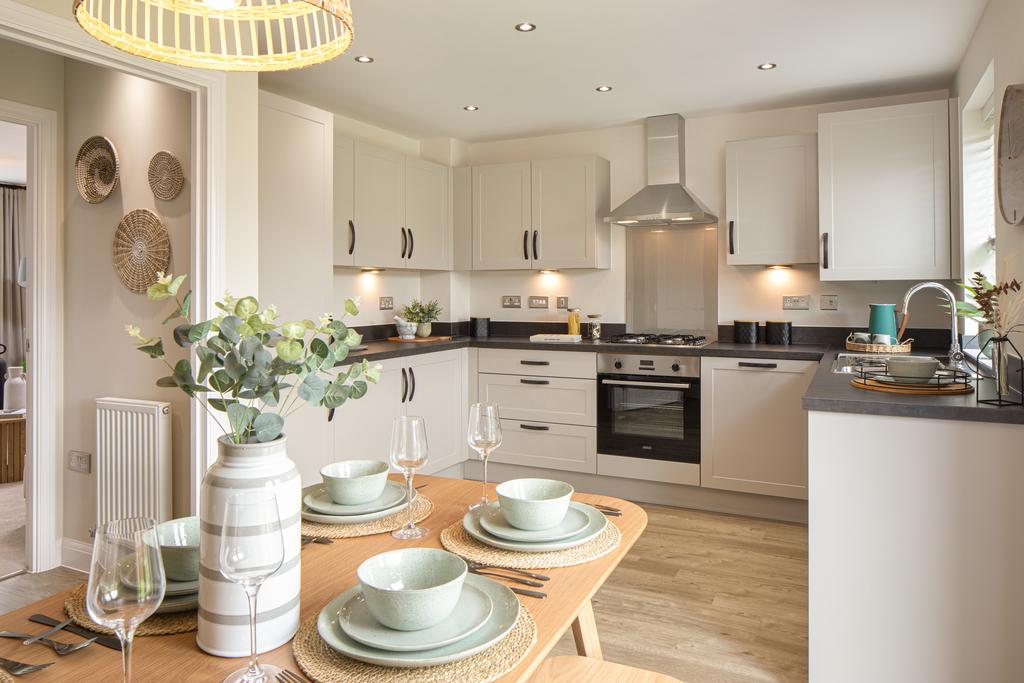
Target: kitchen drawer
x,y
544,399
562,447
579,364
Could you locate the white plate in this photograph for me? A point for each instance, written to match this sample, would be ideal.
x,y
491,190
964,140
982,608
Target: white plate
x,y
494,523
470,613
503,618
174,588
471,523
181,603
318,501
313,516
889,379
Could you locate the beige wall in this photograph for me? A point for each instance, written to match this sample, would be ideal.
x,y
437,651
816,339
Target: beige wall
x,y
241,201
997,41
141,118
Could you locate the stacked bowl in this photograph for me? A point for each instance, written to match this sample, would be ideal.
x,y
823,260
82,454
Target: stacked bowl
x,y
417,607
352,492
178,540
534,515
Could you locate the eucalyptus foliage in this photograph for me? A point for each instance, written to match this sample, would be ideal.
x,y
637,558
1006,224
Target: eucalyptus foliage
x,y
261,371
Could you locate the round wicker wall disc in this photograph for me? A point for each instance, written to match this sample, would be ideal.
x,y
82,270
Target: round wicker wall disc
x,y
142,248
165,176
97,169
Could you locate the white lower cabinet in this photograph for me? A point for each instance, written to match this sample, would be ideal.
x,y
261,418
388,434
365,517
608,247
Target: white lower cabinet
x,y
432,386
544,399
557,446
753,427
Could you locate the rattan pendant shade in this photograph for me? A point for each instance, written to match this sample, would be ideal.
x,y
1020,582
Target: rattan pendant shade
x,y
227,35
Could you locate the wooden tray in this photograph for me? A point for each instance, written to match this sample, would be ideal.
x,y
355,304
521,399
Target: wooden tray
x,y
418,340
879,348
952,389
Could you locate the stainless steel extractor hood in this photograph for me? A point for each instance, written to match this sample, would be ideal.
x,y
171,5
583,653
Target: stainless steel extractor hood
x,y
665,200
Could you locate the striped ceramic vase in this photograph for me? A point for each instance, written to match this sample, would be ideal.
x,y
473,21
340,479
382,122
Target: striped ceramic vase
x,y
223,609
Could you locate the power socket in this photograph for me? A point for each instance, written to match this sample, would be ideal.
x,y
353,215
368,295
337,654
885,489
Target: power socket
x,y
80,461
511,301
796,302
562,302
538,302
829,302
387,303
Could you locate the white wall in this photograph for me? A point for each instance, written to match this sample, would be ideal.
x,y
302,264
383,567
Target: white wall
x,y
997,41
13,153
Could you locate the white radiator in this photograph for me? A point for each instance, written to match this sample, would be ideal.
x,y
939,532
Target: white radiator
x,y
133,459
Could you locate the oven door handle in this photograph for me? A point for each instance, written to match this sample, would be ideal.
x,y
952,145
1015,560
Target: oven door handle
x,y
649,385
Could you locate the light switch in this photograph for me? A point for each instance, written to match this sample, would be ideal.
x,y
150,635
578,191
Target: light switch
x,y
80,461
829,302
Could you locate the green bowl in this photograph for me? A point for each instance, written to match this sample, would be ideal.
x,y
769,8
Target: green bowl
x,y
179,547
534,504
354,482
412,588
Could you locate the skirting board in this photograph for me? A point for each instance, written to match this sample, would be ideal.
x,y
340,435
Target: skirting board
x,y
657,493
75,554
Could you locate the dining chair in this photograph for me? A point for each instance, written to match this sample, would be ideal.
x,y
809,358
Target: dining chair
x,y
587,670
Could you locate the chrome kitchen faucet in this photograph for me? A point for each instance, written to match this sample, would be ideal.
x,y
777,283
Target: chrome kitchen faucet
x,y
956,355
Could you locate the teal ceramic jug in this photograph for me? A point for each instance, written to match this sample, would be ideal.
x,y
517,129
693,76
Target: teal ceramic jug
x,y
883,320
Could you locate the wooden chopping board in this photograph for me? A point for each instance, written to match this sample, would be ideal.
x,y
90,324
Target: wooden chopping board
x,y
951,389
418,340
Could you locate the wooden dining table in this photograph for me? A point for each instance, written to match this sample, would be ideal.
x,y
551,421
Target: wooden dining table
x,y
327,570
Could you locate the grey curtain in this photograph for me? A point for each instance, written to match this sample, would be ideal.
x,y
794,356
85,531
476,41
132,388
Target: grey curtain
x,y
12,297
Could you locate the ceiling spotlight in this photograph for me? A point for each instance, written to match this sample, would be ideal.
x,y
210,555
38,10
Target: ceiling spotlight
x,y
767,66
525,27
683,218
372,271
471,107
603,88
364,59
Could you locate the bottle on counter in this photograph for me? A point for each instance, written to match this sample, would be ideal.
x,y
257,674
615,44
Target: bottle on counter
x,y
574,321
595,326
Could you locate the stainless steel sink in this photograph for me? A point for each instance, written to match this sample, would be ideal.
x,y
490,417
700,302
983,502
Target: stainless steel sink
x,y
850,363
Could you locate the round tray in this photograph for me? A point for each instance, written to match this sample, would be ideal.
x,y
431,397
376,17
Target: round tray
x,y
879,348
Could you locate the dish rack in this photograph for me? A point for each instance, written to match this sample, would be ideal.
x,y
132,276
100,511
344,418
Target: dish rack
x,y
946,382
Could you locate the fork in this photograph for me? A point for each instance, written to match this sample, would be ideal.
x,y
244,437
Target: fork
x,y
287,676
58,647
21,668
514,579
481,565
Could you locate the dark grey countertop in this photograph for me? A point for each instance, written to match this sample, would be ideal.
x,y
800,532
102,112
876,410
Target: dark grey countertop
x,y
828,392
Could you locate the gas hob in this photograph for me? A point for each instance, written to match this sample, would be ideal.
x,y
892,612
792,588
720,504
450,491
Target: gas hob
x,y
659,339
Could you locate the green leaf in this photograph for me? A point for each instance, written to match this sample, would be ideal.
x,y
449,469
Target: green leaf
x,y
234,366
339,330
318,347
175,285
248,347
221,381
267,427
358,389
294,330
312,389
181,335
167,382
246,306
339,350
185,305
155,350
218,346
353,338
229,329
198,332
289,350
373,373
221,404
261,359
351,308
240,416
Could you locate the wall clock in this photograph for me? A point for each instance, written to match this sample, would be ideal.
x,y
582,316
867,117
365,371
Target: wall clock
x,y
1011,155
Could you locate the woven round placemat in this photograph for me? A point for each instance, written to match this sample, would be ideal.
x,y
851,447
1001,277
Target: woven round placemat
x,y
96,169
456,539
421,509
166,177
142,248
156,625
324,665
5,677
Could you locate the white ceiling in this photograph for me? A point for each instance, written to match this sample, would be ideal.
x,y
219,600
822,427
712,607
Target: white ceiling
x,y
661,56
13,153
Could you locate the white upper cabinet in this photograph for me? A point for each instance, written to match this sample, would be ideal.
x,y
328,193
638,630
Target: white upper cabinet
x,y
344,202
502,224
884,182
380,235
541,214
426,215
569,201
771,193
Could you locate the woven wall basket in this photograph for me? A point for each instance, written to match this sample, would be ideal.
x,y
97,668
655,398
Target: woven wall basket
x,y
142,248
166,177
97,169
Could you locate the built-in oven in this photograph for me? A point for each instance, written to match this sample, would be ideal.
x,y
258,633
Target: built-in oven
x,y
649,407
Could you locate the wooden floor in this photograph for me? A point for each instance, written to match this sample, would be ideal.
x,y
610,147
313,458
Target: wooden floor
x,y
702,597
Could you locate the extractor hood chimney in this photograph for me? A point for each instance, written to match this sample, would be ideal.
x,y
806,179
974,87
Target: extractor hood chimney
x,y
665,200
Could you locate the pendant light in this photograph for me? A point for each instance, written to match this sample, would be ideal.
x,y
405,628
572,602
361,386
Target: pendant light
x,y
226,35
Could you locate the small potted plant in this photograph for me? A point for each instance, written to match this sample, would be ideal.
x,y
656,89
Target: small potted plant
x,y
423,314
997,309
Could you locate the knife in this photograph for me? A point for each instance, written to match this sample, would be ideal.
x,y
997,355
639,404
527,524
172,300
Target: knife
x,y
102,638
48,632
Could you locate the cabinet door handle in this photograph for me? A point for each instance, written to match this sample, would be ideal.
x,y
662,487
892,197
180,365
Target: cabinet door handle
x,y
405,384
526,242
412,384
351,237
535,428
534,362
536,252
824,250
534,381
763,366
732,237
412,243
405,241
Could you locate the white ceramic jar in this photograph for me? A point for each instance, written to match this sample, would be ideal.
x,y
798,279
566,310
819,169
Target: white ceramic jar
x,y
14,389
223,608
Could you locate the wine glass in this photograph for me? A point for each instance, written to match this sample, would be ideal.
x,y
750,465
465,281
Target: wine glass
x,y
484,436
251,550
408,454
126,580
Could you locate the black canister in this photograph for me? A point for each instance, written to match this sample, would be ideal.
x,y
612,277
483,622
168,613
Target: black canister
x,y
744,331
479,327
778,332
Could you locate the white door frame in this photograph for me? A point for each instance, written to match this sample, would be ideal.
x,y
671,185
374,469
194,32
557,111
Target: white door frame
x,y
61,35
